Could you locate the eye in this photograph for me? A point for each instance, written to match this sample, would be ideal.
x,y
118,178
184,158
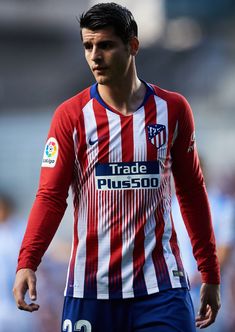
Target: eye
x,y
106,45
87,46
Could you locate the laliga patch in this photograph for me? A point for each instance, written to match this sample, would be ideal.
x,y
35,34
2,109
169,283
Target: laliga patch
x,y
50,153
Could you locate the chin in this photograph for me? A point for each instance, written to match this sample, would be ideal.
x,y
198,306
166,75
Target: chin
x,y
102,80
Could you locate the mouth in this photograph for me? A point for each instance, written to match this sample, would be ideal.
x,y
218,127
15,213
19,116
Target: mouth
x,y
98,68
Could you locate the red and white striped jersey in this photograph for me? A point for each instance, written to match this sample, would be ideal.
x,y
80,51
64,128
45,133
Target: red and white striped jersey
x,y
119,167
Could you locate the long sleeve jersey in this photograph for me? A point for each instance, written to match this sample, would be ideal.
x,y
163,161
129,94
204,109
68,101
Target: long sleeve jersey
x,y
119,167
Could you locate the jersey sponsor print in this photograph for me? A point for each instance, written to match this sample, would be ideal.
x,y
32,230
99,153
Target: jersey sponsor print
x,y
125,176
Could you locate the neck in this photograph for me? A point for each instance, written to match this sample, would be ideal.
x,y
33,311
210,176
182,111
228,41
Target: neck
x,y
125,96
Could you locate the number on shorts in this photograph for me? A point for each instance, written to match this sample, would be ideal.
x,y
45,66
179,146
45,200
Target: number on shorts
x,y
68,326
82,323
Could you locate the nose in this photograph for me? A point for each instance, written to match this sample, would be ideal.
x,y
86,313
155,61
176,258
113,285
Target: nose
x,y
95,54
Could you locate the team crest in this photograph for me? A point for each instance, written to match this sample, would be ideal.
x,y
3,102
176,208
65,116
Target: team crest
x,y
157,134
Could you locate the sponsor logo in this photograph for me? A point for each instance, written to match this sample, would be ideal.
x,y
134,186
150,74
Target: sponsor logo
x,y
126,176
157,134
177,273
100,139
50,153
192,143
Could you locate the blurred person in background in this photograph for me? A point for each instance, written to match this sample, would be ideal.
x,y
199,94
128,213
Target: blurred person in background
x,y
223,217
116,143
51,272
229,270
11,232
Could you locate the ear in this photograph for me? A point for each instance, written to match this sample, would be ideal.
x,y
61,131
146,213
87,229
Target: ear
x,y
134,46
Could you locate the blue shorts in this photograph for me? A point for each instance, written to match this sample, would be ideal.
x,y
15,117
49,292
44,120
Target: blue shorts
x,y
166,311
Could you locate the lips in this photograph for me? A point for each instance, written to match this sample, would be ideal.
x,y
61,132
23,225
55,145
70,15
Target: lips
x,y
99,68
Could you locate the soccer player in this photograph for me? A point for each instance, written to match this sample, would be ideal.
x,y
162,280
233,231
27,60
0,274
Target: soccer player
x,y
117,143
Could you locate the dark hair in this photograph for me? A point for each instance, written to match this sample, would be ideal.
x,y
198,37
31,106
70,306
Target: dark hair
x,y
113,15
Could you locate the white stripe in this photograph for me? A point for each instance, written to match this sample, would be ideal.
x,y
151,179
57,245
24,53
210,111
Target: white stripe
x,y
169,257
157,140
162,118
161,137
67,286
103,247
80,260
139,135
127,251
91,132
115,139
75,142
149,245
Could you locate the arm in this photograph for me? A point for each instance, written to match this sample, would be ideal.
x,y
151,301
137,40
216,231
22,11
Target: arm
x,y
194,206
49,206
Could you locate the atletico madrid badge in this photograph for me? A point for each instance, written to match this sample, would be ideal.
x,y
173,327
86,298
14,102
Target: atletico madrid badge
x,y
157,134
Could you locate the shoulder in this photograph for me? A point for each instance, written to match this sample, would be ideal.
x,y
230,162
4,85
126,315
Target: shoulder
x,y
69,111
178,106
169,96
76,103
173,99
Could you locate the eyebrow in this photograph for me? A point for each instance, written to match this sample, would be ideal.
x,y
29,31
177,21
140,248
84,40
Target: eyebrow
x,y
100,43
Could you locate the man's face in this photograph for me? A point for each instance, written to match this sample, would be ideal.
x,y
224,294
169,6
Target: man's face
x,y
107,56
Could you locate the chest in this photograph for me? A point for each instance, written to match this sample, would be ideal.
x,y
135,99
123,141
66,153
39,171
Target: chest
x,y
111,137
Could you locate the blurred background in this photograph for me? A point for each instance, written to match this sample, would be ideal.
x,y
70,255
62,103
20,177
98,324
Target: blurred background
x,y
187,46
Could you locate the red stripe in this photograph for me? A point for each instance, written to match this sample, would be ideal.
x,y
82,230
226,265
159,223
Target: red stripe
x,y
139,250
157,255
115,273
150,119
164,136
102,132
91,246
82,146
